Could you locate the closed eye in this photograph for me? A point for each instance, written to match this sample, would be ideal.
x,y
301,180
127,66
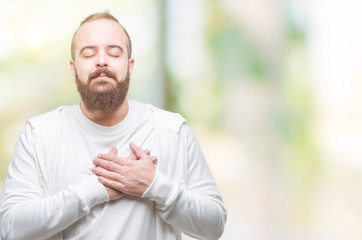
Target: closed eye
x,y
88,51
114,55
115,51
88,55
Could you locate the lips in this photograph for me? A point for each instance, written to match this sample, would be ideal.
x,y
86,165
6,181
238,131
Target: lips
x,y
102,76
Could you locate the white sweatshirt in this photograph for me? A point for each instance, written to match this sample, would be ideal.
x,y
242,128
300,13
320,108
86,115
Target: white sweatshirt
x,y
51,193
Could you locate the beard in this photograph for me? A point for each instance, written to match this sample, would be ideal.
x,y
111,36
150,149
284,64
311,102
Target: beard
x,y
110,98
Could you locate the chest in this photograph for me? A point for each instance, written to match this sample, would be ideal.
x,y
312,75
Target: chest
x,y
74,161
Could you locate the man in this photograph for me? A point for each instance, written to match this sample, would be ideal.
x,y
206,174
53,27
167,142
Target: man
x,y
85,171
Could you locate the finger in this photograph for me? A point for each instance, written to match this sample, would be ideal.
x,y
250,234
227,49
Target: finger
x,y
154,159
132,157
101,172
109,157
138,151
113,151
112,184
107,164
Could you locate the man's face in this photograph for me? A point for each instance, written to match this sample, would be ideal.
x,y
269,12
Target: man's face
x,y
101,65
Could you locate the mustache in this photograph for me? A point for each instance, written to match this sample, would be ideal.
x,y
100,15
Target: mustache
x,y
101,71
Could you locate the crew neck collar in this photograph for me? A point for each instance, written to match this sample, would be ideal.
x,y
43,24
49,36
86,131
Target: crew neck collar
x,y
97,129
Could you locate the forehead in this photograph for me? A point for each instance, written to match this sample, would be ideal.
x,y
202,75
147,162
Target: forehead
x,y
100,32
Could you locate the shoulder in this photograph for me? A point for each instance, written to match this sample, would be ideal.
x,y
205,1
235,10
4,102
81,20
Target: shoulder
x,y
46,118
170,120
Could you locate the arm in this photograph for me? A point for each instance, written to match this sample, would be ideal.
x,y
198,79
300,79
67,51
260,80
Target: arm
x,y
196,208
26,213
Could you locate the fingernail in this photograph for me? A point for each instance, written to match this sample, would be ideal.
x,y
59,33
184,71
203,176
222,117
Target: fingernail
x,y
100,155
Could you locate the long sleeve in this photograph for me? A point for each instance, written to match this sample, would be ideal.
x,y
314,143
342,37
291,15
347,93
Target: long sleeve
x,y
194,206
26,213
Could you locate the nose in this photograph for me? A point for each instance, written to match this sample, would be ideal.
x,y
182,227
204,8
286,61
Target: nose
x,y
102,60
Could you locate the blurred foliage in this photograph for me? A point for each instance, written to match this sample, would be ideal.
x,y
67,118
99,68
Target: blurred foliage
x,y
302,161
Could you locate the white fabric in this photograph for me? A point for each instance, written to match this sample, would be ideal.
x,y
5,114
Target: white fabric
x,y
51,193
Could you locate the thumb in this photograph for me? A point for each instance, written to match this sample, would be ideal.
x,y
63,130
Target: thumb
x,y
113,151
137,150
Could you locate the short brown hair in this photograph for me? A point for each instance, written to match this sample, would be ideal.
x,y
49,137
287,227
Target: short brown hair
x,y
102,15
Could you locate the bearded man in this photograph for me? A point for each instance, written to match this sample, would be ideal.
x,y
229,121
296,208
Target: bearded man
x,y
86,171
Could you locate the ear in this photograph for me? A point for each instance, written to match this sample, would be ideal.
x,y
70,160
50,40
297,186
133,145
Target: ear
x,y
130,65
72,67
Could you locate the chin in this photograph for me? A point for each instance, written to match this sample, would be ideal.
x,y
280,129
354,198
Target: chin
x,y
102,85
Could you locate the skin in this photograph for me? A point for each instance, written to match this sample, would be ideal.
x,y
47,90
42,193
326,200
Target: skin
x,y
102,43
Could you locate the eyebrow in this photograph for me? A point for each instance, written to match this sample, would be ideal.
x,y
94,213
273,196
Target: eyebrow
x,y
94,47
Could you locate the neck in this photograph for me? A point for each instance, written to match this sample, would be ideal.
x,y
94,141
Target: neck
x,y
107,119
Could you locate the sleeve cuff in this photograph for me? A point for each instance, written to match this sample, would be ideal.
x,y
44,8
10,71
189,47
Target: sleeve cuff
x,y
91,192
162,190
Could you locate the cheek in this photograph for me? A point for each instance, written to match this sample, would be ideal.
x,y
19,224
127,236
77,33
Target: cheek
x,y
82,73
121,71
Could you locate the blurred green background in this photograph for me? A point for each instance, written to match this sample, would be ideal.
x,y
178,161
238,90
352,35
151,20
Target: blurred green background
x,y
270,87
